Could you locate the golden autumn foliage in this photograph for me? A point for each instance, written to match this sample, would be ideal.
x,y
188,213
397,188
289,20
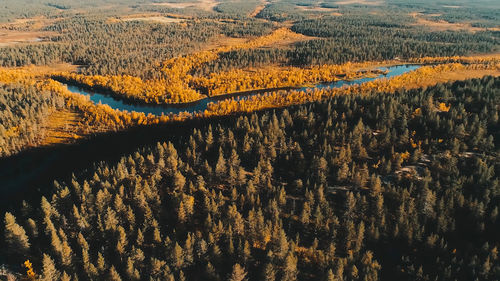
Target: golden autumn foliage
x,y
486,59
175,82
180,66
443,108
421,76
96,117
177,85
268,78
29,270
134,88
100,118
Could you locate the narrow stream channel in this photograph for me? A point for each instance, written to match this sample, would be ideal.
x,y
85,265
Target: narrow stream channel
x,y
201,105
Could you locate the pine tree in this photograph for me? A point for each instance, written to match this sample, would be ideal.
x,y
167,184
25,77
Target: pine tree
x,y
220,167
113,274
330,276
178,256
290,270
269,273
49,272
238,273
65,277
15,236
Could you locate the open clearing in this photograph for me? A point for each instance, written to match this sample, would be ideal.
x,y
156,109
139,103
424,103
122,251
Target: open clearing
x,y
35,23
25,31
332,11
149,17
455,75
207,5
288,39
12,37
443,25
360,2
41,70
223,41
62,127
291,39
155,19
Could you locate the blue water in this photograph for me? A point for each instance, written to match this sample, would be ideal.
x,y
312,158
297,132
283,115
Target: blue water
x,y
201,105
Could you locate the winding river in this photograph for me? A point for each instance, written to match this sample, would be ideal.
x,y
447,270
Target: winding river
x,y
202,104
27,175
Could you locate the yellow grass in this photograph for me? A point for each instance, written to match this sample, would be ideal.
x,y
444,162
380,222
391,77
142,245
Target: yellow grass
x,y
334,11
12,37
443,25
224,41
455,76
44,70
155,19
207,5
62,127
360,2
35,23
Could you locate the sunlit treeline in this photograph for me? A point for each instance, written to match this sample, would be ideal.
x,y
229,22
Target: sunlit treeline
x,y
486,59
271,77
174,83
420,77
101,118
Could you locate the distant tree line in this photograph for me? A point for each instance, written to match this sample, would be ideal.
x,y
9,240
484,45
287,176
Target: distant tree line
x,y
114,48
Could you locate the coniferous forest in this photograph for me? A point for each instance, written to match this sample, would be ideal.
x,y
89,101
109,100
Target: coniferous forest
x,y
282,140
364,188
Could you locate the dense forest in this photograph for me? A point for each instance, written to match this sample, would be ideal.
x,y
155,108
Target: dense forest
x,y
111,44
123,47
360,187
24,112
270,173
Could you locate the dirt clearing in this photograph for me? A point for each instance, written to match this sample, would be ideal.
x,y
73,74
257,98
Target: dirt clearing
x,y
207,5
155,19
12,37
332,11
360,2
443,25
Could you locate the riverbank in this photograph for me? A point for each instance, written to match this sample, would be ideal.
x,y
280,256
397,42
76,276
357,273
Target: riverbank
x,y
199,106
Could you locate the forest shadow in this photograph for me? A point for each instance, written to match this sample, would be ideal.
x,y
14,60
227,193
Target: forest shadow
x,y
31,173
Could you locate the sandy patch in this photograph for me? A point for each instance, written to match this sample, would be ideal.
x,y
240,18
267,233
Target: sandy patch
x,y
12,37
43,70
360,2
452,7
443,25
207,5
290,40
155,19
223,41
34,23
433,15
319,9
152,17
